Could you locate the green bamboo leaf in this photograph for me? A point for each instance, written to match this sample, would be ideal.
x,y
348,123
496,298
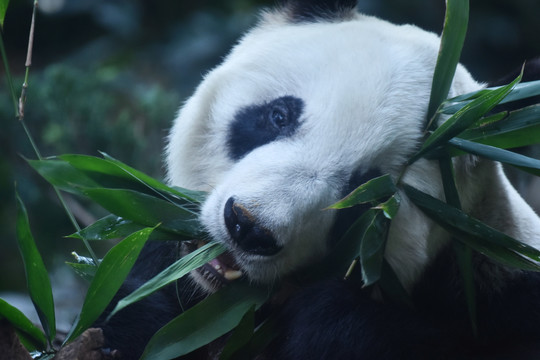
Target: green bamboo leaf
x,y
62,175
375,189
452,39
522,162
172,273
259,340
180,193
3,8
475,233
111,173
372,248
147,210
73,173
37,278
205,322
346,250
518,128
114,227
85,271
109,276
521,91
240,337
464,118
390,207
20,322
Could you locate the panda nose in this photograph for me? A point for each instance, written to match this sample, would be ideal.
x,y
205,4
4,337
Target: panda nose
x,y
246,233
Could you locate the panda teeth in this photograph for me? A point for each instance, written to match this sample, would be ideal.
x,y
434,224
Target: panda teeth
x,y
232,275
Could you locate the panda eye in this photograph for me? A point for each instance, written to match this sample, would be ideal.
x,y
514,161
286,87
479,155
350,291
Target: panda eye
x,y
257,125
279,116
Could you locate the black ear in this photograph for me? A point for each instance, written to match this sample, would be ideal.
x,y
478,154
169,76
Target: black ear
x,y
312,10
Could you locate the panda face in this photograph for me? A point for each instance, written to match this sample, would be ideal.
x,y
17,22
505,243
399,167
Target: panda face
x,y
279,129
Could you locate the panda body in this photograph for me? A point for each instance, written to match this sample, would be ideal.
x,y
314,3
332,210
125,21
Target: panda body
x,y
311,103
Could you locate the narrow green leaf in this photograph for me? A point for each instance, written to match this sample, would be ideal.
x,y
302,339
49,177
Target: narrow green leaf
x,y
85,271
346,250
375,189
205,322
114,227
390,207
181,193
37,278
521,91
20,322
372,248
62,175
475,233
518,128
109,276
172,273
3,8
147,210
464,259
463,252
262,337
73,173
522,162
464,118
241,335
452,39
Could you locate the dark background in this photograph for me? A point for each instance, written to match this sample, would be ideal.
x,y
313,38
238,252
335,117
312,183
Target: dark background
x,y
109,75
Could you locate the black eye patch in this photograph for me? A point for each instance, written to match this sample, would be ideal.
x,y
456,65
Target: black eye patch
x,y
257,125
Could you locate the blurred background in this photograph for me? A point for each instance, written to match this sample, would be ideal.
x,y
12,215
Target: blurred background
x,y
109,75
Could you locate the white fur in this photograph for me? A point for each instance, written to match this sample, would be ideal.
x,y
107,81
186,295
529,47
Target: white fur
x,y
365,84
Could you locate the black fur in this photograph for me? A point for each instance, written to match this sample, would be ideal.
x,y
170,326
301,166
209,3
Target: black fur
x,y
258,125
338,320
312,10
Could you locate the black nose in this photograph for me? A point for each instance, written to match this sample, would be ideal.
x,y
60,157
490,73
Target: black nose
x,y
246,233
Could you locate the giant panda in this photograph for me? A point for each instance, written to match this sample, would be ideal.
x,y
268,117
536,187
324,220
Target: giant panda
x,y
312,102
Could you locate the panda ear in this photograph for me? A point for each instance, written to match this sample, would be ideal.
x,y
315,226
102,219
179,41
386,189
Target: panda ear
x,y
313,10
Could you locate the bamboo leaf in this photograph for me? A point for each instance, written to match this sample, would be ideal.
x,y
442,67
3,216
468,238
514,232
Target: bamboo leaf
x,y
260,339
452,39
20,322
179,193
518,128
390,207
241,335
172,273
3,8
37,278
73,173
205,322
372,248
114,227
521,91
522,162
109,276
375,189
464,118
85,271
147,210
475,233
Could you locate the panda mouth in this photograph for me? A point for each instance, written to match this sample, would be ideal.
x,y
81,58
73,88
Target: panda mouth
x,y
221,270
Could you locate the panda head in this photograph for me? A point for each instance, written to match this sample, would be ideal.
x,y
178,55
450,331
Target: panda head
x,y
310,103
